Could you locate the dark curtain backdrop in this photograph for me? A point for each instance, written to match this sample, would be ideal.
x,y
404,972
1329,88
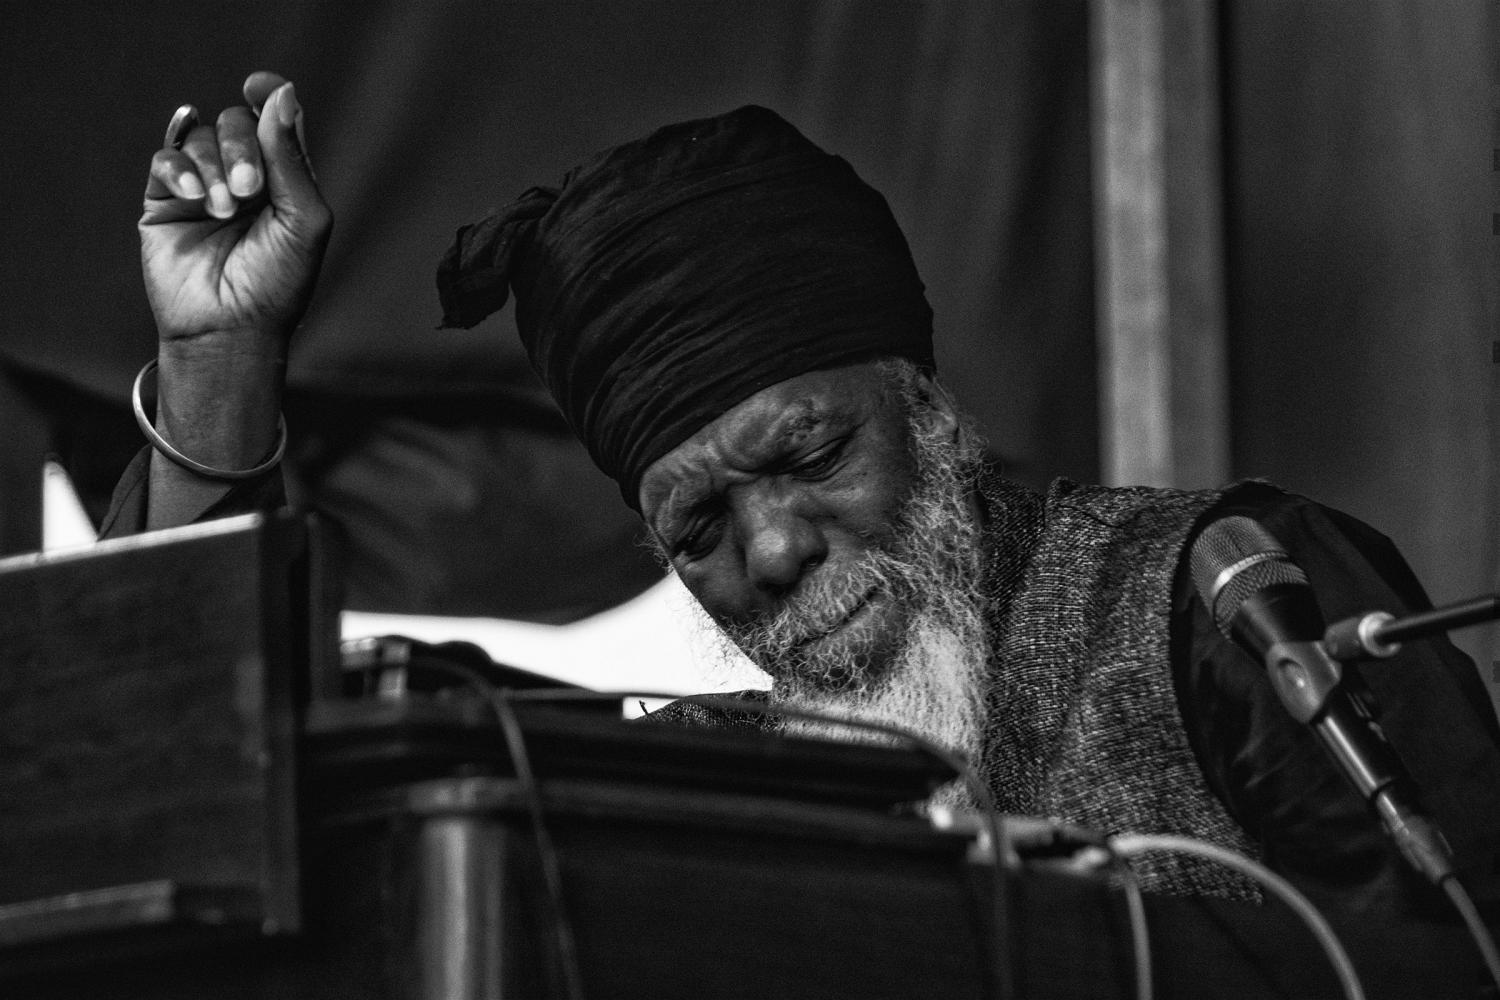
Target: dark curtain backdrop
x,y
1359,200
437,449
1362,278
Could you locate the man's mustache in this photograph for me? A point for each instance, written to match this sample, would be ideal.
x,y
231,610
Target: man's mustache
x,y
818,609
928,562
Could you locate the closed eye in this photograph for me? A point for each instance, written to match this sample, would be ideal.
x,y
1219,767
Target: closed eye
x,y
821,462
700,537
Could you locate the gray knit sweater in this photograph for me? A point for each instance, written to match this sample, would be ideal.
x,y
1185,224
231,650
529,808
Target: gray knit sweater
x,y
1084,722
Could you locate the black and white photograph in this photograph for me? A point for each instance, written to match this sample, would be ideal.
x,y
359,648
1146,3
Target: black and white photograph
x,y
833,499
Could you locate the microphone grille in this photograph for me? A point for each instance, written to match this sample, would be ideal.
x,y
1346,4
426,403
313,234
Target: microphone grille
x,y
1233,558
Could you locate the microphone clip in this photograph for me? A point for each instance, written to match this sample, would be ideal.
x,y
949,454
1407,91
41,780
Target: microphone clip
x,y
1358,638
1304,676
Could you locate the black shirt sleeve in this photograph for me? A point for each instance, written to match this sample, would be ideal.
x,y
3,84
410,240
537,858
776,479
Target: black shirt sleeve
x,y
1274,776
127,507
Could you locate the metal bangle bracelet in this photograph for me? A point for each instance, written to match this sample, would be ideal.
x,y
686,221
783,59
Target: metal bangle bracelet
x,y
207,471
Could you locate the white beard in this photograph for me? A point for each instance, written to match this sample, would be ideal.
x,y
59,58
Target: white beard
x,y
936,686
937,692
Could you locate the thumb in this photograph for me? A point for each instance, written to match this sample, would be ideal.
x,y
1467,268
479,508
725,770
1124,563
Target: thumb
x,y
260,85
293,187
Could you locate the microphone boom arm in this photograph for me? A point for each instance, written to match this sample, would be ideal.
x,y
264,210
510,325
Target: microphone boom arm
x,y
1377,634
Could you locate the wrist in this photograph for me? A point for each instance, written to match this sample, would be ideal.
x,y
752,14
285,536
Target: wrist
x,y
218,396
247,348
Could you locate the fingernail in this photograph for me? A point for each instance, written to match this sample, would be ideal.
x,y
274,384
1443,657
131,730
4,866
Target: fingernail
x,y
192,187
301,136
287,106
243,179
220,202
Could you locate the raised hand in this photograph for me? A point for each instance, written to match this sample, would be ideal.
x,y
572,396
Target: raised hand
x,y
232,237
234,226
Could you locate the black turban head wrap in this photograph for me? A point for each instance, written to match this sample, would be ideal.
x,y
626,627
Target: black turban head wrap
x,y
672,278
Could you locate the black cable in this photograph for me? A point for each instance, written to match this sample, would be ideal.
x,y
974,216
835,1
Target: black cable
x,y
1477,930
1135,905
1131,844
1135,908
960,764
956,761
499,700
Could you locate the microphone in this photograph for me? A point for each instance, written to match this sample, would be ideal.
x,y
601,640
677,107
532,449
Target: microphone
x,y
1261,600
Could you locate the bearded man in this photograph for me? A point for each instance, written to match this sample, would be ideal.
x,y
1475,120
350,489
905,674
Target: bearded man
x,y
731,321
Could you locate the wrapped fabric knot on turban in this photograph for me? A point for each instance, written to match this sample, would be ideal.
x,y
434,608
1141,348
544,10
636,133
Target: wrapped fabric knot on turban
x,y
671,278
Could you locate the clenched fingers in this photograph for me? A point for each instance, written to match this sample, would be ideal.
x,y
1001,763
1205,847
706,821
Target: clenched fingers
x,y
249,153
239,152
292,186
202,148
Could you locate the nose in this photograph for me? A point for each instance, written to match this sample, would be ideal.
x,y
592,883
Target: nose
x,y
780,544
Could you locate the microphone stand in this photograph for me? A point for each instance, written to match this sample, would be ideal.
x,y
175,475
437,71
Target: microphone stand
x,y
1378,634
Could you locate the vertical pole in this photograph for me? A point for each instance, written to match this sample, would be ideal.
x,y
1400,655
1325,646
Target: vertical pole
x,y
458,907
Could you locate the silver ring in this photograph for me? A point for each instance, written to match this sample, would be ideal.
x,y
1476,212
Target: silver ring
x,y
184,120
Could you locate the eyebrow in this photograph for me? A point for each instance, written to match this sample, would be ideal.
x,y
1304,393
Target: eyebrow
x,y
671,515
808,419
800,418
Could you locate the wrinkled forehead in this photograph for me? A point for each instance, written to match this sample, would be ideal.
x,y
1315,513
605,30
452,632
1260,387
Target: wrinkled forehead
x,y
765,430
